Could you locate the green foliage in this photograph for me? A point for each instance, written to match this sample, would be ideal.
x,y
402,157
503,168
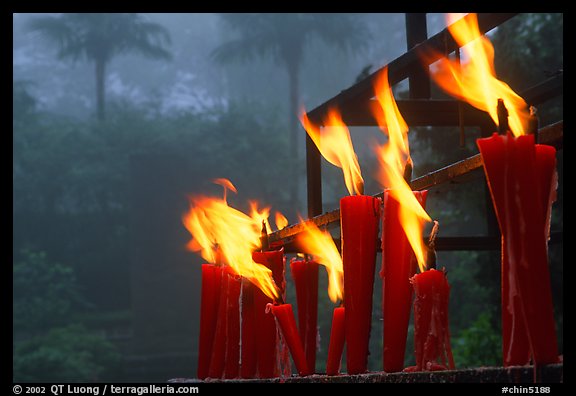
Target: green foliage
x,y
73,178
66,354
47,348
478,345
45,293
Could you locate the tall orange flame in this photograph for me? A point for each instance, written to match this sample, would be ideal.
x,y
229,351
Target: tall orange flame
x,y
222,232
393,158
334,143
321,246
475,81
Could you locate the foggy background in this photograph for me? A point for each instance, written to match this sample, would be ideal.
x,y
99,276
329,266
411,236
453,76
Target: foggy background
x,y
104,289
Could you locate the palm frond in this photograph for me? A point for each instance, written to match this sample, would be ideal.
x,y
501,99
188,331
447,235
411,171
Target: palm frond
x,y
58,31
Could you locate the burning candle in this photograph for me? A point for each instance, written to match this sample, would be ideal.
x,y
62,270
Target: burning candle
x,y
398,266
402,224
226,235
359,216
520,176
287,323
321,245
431,330
211,280
337,338
305,276
267,345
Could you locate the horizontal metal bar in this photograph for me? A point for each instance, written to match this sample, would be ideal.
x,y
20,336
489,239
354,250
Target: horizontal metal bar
x,y
465,243
437,112
552,135
400,68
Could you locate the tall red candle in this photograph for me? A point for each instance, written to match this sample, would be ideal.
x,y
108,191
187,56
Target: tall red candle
x,y
305,276
337,338
211,279
359,217
398,266
287,323
515,345
431,327
521,176
267,346
232,364
219,345
248,350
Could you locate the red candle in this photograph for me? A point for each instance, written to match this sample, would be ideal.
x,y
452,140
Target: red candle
x,y
248,350
267,346
287,323
305,275
398,266
521,176
431,330
219,346
336,346
211,278
232,364
359,217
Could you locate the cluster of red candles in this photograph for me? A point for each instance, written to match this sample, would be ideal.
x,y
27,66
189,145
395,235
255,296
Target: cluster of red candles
x,y
244,333
240,339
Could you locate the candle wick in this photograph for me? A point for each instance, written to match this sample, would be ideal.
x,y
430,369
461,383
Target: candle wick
x,y
408,170
533,123
431,256
502,117
264,237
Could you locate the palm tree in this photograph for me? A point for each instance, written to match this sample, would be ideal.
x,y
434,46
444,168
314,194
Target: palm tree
x,y
284,37
99,37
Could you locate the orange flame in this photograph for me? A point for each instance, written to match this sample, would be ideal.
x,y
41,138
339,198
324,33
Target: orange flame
x,y
321,245
280,220
218,228
393,157
335,145
475,81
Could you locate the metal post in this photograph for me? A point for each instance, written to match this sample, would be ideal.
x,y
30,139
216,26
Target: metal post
x,y
416,33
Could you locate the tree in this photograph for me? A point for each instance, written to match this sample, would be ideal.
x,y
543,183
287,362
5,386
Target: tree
x,y
99,37
284,37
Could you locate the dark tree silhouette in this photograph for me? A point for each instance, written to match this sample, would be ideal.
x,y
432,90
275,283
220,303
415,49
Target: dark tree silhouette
x,y
284,38
99,37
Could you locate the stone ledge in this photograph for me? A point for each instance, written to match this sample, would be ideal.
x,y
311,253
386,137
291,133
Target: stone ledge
x,y
552,373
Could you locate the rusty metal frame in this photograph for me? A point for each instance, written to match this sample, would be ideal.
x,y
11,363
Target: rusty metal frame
x,y
355,106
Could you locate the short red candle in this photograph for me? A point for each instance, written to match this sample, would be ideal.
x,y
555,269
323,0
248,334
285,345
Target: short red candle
x,y
431,327
211,278
398,266
232,365
305,276
267,346
520,177
336,346
219,346
248,351
359,216
287,323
